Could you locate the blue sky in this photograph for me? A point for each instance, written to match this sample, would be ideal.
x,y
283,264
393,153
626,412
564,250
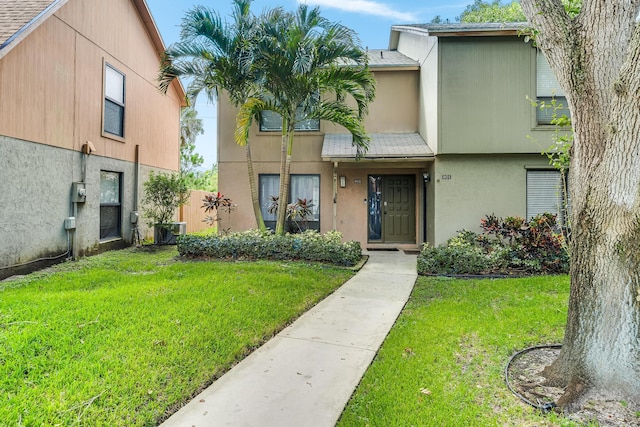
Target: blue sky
x,y
371,19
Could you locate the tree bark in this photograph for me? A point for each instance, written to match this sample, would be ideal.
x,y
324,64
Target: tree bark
x,y
596,57
255,200
285,172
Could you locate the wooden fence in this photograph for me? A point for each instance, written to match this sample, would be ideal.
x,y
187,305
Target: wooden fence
x,y
192,213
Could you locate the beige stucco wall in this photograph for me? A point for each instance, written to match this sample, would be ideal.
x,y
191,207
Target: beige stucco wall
x,y
395,108
467,188
234,183
51,84
350,208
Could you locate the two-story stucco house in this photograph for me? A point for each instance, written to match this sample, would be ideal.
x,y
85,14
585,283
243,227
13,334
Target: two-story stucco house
x,y
81,125
454,137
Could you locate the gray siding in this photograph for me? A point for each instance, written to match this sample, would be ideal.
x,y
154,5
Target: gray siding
x,y
484,85
36,181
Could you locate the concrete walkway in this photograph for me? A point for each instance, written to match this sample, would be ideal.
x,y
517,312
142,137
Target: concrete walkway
x,y
305,375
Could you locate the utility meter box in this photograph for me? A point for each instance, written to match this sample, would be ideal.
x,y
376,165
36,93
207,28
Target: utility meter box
x,y
78,192
70,223
133,217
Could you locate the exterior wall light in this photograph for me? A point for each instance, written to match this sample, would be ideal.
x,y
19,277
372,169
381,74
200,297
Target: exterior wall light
x,y
426,177
343,181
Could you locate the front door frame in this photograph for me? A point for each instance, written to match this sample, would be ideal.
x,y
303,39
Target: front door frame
x,y
381,204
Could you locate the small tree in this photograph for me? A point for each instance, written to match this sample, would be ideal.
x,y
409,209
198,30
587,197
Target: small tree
x,y
163,194
215,203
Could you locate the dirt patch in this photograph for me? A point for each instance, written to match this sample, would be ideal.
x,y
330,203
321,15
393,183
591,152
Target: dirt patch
x,y
526,379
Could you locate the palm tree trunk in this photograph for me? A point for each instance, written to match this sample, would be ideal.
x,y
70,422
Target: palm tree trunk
x,y
285,172
255,201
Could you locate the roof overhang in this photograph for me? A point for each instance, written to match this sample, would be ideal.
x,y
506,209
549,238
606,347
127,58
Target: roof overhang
x,y
158,43
465,30
338,147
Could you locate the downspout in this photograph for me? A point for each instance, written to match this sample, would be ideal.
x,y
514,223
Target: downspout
x,y
136,179
134,218
335,195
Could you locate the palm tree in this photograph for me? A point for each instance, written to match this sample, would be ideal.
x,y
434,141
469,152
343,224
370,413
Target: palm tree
x,y
307,66
190,128
218,56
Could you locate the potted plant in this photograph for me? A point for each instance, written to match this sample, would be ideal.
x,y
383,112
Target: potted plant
x,y
163,194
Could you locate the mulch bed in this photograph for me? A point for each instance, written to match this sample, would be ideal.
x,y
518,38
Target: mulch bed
x,y
525,377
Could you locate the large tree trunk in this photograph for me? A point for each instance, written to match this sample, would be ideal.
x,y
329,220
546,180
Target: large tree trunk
x,y
255,200
596,57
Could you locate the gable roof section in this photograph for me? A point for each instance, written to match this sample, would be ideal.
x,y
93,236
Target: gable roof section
x,y
18,18
383,146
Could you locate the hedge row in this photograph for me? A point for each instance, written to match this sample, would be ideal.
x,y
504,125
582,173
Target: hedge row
x,y
507,246
254,244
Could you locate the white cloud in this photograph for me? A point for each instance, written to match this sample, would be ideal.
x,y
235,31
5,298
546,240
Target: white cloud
x,y
364,6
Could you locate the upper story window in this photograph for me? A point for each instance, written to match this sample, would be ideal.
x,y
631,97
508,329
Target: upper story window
x,y
114,98
548,90
271,121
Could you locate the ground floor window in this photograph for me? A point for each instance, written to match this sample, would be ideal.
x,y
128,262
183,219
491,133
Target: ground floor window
x,y
304,187
110,205
544,193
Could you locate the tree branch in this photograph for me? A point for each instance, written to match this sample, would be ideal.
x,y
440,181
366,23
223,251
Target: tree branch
x,y
554,32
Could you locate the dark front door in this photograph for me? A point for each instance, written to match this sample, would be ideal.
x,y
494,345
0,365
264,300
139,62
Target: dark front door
x,y
392,208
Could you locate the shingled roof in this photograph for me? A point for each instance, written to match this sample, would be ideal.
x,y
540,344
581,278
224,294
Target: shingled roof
x,y
338,146
18,18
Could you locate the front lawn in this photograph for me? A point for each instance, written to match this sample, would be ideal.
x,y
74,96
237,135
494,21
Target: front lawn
x,y
443,362
127,337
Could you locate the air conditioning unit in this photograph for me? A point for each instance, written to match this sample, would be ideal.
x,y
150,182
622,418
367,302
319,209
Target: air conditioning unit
x,y
166,235
178,228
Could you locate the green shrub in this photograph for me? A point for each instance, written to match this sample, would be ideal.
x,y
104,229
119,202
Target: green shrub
x,y
254,244
507,246
454,258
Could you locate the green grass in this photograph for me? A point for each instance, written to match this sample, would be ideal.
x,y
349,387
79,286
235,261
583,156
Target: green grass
x,y
443,362
127,337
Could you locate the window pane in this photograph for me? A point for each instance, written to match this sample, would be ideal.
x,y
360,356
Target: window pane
x,y
109,222
308,125
113,118
307,187
269,186
545,115
114,85
302,186
109,187
271,121
546,82
544,193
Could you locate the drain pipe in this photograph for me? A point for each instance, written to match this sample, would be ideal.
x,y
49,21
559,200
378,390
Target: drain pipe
x,y
134,217
335,195
136,178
